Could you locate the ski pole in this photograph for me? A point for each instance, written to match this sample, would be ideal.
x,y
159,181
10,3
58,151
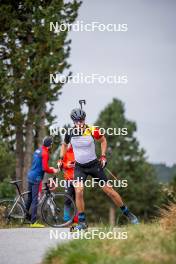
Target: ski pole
x,y
82,102
111,173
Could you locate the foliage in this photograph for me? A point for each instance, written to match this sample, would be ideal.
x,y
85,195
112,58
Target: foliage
x,y
164,173
29,53
126,160
6,189
7,162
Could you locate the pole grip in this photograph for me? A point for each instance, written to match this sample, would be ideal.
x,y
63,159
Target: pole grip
x,y
82,102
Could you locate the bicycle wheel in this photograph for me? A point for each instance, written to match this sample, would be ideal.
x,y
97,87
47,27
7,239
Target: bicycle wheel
x,y
11,213
53,207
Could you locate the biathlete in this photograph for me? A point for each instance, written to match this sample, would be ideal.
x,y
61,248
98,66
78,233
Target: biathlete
x,y
82,138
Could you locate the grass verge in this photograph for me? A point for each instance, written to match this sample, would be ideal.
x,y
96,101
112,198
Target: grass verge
x,y
146,243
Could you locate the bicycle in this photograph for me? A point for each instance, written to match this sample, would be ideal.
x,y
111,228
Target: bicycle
x,y
52,207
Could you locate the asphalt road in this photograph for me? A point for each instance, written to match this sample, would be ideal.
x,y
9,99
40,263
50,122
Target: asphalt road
x,y
27,245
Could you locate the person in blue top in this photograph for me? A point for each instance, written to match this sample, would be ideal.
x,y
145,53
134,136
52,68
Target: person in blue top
x,y
35,175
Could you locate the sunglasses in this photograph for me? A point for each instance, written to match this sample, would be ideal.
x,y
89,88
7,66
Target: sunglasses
x,y
79,121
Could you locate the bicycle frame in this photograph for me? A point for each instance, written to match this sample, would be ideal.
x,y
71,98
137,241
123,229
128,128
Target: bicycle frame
x,y
20,199
15,202
47,199
17,198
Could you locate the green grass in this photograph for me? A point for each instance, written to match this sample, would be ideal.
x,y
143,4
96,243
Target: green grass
x,y
146,243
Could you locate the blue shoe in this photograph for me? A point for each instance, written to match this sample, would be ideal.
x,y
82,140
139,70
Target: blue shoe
x,y
79,227
133,219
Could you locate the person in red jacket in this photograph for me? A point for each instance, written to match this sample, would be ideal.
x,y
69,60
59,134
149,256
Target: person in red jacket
x,y
68,166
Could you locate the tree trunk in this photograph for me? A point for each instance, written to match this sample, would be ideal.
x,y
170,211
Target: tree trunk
x,y
19,153
19,137
28,144
40,125
112,215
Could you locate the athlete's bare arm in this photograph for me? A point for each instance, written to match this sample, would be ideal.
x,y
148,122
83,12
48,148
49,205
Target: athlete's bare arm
x,y
103,142
63,150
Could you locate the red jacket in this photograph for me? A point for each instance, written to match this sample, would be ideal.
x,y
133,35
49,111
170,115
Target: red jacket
x,y
69,157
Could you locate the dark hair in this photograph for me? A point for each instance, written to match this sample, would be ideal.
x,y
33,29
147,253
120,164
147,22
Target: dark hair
x,y
48,141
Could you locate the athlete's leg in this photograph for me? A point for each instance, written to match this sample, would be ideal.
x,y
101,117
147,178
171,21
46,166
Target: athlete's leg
x,y
98,173
81,217
75,220
79,190
80,177
116,198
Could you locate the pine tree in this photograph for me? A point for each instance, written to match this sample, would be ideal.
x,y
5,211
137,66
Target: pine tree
x,y
29,53
126,161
